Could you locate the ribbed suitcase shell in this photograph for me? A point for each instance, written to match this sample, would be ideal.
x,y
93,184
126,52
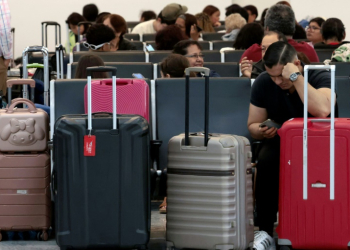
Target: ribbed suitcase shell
x,y
318,222
23,131
209,194
25,191
132,97
102,201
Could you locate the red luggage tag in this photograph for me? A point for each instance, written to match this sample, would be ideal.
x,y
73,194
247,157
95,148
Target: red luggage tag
x,y
89,145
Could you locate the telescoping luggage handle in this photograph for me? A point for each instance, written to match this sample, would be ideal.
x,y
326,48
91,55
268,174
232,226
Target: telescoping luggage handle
x,y
50,23
89,71
45,53
306,80
59,61
206,72
12,82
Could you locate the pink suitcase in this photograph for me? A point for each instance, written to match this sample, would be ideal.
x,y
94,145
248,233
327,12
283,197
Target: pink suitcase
x,y
314,194
23,129
132,97
25,192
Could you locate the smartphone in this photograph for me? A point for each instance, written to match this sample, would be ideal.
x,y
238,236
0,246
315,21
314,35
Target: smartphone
x,y
138,76
270,124
149,47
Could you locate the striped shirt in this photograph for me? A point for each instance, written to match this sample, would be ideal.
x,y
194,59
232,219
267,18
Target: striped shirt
x,y
5,30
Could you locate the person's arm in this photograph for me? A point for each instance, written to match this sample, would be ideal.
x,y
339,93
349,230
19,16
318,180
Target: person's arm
x,y
256,116
5,32
319,100
246,67
194,33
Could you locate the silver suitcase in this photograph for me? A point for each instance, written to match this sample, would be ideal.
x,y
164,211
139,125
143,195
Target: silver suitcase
x,y
209,189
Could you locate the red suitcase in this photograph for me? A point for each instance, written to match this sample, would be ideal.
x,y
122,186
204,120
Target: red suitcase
x,y
132,97
314,193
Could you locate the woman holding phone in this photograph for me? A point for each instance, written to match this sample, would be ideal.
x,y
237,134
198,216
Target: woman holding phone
x,y
188,24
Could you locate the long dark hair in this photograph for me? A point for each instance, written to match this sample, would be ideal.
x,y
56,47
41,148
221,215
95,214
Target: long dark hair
x,y
250,34
89,60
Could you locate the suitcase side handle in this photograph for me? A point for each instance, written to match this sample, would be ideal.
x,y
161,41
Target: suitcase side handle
x,y
332,138
206,72
89,71
31,107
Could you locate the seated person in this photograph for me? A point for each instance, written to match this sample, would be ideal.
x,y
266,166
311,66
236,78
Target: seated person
x,y
333,34
168,37
72,22
214,15
118,25
147,15
204,22
276,95
100,37
86,61
192,50
188,24
233,24
313,31
174,66
252,70
249,34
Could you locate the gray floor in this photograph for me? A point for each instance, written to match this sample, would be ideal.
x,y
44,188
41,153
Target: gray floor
x,y
157,241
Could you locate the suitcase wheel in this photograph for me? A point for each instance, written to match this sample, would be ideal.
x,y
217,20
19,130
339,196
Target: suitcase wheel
x,y
42,236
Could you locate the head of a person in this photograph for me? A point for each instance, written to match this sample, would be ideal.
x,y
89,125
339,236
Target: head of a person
x,y
333,30
99,38
285,3
280,18
174,66
73,20
235,8
90,12
342,53
118,25
213,13
204,22
269,38
276,57
169,14
249,34
102,16
89,60
263,15
147,15
192,50
184,22
252,13
234,21
168,37
313,30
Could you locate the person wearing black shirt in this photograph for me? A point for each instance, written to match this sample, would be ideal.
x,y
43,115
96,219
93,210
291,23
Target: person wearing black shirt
x,y
278,94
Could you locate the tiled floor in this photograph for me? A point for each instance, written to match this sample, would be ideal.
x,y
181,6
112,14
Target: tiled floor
x,y
157,241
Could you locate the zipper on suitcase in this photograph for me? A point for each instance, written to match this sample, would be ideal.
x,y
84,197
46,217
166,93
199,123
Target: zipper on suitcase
x,y
201,172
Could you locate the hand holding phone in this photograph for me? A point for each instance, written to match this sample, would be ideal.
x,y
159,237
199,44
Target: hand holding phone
x,y
270,124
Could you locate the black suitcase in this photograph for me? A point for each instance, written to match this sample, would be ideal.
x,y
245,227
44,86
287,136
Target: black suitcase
x,y
103,200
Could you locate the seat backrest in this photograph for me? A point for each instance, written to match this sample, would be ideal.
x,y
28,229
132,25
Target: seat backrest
x,y
149,37
324,54
118,56
229,69
211,55
132,36
343,93
342,69
205,45
124,69
131,25
233,55
212,36
217,45
158,55
222,27
229,104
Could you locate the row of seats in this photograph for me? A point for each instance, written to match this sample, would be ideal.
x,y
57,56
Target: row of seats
x,y
158,56
152,71
229,105
151,37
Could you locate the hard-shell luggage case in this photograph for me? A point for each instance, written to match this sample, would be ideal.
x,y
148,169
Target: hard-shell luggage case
x,y
132,96
23,129
209,189
101,200
314,194
45,53
24,192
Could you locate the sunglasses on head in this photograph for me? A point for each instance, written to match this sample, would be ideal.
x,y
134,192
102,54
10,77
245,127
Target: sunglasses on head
x,y
92,46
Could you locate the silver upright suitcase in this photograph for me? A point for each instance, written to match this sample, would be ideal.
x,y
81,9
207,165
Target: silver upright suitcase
x,y
209,189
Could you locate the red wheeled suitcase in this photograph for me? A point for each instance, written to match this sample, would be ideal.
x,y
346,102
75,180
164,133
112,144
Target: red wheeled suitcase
x,y
314,193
